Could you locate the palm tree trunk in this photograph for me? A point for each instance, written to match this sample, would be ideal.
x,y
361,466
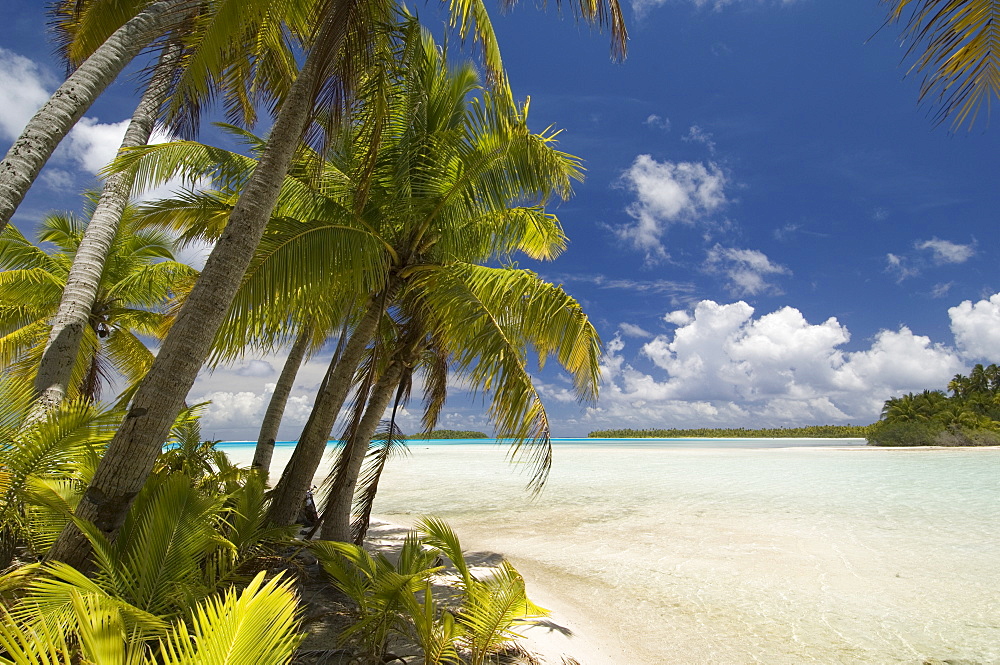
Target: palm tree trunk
x,y
296,479
337,514
279,398
67,105
63,346
137,443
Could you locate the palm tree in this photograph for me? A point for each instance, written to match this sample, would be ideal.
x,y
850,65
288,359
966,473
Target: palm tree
x,y
178,76
346,34
132,291
447,185
480,321
83,281
28,154
957,45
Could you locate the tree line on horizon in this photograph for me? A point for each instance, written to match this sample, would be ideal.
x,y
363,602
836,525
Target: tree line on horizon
x,y
807,432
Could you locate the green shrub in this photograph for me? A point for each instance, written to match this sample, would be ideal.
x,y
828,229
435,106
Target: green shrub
x,y
905,433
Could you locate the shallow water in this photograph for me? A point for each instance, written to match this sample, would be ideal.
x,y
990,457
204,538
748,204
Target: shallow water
x,y
738,551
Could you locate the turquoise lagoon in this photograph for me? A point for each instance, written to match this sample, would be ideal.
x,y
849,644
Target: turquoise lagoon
x,y
734,551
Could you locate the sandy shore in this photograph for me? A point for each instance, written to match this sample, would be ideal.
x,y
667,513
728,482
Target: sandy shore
x,y
567,633
559,639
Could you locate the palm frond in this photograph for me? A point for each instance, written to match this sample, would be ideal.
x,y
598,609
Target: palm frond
x,y
260,625
956,44
388,443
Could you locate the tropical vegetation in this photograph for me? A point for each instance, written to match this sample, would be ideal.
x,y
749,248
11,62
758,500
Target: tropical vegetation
x,y
130,304
955,43
448,434
807,432
195,574
416,181
969,416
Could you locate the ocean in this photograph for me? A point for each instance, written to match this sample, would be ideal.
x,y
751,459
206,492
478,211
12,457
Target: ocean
x,y
734,551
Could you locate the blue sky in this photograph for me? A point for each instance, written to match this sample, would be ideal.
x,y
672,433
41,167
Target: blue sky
x,y
771,232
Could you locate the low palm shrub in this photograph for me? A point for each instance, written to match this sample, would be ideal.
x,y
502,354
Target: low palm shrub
x,y
395,602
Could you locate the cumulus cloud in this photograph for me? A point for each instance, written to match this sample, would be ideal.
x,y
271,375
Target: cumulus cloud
x,y
668,193
746,270
945,251
24,86
976,327
725,365
93,144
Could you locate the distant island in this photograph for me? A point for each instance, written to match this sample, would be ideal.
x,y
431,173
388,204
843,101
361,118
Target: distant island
x,y
970,416
448,434
811,432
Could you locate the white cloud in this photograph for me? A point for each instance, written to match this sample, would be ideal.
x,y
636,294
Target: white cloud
x,y
941,290
658,122
725,366
747,270
945,251
640,7
668,193
976,327
900,267
632,330
24,88
698,135
256,368
93,144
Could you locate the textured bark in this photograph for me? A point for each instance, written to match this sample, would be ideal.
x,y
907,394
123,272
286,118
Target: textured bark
x,y
296,479
279,398
133,450
337,515
67,105
73,316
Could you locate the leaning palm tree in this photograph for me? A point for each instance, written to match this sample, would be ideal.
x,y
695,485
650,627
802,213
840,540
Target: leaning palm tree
x,y
453,180
956,44
132,292
183,75
346,35
30,151
481,323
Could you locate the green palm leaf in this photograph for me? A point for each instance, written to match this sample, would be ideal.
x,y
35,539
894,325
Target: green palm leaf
x,y
260,625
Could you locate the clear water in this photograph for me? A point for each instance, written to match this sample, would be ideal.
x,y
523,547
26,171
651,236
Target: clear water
x,y
743,551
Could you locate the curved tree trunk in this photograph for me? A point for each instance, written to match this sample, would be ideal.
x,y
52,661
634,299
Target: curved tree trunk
x,y
63,346
279,398
137,443
57,116
296,479
337,514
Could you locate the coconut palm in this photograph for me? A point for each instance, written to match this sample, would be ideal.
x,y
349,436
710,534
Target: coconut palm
x,y
482,321
260,624
449,179
453,180
956,44
132,291
30,151
346,34
41,462
178,77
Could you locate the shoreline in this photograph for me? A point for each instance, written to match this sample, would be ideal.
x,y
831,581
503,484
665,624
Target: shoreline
x,y
562,637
